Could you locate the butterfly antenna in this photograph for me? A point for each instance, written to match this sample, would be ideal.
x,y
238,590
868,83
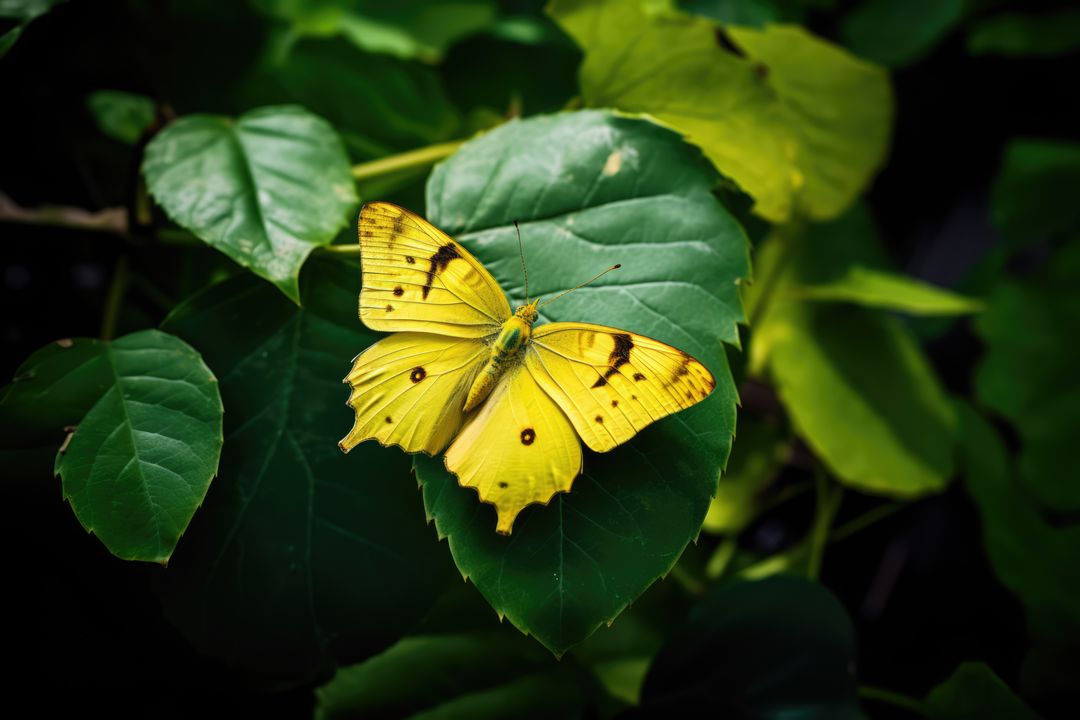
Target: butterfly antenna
x,y
595,277
524,270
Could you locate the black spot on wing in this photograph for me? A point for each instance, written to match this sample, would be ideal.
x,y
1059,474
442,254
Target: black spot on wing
x,y
528,436
398,291
417,374
410,259
619,356
439,261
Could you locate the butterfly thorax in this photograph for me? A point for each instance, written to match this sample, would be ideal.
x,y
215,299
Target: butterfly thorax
x,y
505,352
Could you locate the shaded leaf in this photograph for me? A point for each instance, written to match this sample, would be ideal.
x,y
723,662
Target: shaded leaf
x,y
777,648
798,123
406,28
1014,34
23,12
121,115
378,104
974,692
148,416
1035,191
591,189
479,675
302,558
897,33
265,189
1028,373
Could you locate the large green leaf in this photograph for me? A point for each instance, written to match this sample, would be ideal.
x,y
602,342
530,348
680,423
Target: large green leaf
x,y
899,32
974,692
148,435
302,557
405,28
857,385
778,648
265,188
1029,374
798,123
591,189
378,104
479,675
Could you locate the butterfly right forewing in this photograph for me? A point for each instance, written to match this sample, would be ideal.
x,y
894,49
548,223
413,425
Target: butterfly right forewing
x,y
417,278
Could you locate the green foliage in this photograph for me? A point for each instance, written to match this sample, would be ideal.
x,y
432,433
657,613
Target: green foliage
x,y
857,386
777,648
896,33
22,12
757,455
480,675
405,28
302,557
798,123
878,289
1013,34
265,189
122,116
974,692
627,191
1033,195
144,417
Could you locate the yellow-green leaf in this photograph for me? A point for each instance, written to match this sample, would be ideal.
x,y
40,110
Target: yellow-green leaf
x,y
800,124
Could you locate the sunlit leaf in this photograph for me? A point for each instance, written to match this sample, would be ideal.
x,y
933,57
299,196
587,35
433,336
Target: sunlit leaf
x,y
265,188
880,289
757,455
798,123
591,189
144,414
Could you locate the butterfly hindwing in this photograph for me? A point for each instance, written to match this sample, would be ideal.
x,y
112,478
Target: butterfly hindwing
x,y
612,383
517,449
408,389
417,278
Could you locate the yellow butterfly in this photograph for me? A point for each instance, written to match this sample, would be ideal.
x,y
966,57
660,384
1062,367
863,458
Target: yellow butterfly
x,y
461,367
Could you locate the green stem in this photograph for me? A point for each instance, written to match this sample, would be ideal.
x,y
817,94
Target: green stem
x,y
418,158
888,697
828,502
721,557
341,249
865,520
690,583
112,301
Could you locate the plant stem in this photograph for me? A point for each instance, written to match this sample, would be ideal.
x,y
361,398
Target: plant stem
x,y
721,557
690,583
112,301
865,520
420,157
828,502
912,705
341,249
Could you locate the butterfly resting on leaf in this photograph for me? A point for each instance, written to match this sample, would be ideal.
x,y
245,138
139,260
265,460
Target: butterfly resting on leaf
x,y
510,400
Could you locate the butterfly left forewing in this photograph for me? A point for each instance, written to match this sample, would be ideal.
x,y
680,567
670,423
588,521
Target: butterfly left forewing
x,y
612,383
517,449
417,278
408,389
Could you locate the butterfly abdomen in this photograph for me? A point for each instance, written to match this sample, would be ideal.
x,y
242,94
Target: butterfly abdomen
x,y
504,352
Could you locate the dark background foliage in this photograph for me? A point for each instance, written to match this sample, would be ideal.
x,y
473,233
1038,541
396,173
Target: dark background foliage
x,y
917,586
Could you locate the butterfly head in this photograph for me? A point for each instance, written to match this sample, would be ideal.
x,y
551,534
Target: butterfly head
x,y
527,312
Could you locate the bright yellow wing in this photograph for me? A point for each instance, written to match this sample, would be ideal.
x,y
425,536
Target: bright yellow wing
x,y
612,383
517,449
409,389
417,278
